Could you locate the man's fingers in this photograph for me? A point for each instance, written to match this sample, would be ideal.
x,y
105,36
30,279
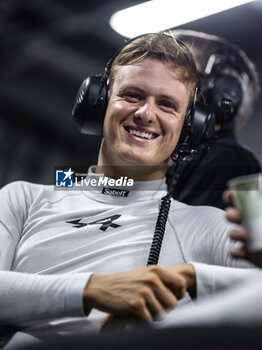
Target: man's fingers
x,y
155,305
166,297
233,215
179,288
238,253
171,280
242,253
181,278
139,308
239,234
158,296
145,315
227,197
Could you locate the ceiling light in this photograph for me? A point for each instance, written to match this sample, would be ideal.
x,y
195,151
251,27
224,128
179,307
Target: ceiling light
x,y
157,15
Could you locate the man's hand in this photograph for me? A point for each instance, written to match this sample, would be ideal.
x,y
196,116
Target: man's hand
x,y
188,272
240,234
144,292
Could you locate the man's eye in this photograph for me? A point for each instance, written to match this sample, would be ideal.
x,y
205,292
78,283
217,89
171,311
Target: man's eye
x,y
133,96
167,105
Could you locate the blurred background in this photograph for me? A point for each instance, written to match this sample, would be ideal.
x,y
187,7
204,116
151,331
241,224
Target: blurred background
x,y
48,47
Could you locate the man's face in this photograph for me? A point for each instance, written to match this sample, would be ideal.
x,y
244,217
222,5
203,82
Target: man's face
x,y
145,115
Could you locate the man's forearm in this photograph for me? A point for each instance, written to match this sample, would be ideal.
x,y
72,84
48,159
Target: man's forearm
x,y
29,297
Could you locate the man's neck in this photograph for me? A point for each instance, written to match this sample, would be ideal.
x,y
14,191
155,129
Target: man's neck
x,y
135,172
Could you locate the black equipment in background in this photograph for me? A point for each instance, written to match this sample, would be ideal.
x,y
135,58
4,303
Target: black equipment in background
x,y
219,83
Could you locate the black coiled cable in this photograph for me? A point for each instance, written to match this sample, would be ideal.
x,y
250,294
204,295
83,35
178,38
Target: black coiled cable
x,y
159,230
183,155
161,222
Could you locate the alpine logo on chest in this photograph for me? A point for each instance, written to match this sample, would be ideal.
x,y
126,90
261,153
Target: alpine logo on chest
x,y
105,222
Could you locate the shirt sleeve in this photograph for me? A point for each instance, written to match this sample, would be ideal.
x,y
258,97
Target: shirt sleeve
x,y
215,269
211,279
14,206
26,297
239,306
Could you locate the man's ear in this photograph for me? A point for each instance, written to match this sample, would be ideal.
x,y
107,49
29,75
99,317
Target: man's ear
x,y
170,161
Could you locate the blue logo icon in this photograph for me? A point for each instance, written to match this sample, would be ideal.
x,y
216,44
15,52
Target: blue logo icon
x,y
64,178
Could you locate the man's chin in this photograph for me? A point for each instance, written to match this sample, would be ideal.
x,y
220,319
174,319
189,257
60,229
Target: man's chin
x,y
145,166
138,161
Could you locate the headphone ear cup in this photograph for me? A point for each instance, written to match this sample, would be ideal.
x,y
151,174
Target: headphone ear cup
x,y
186,130
198,129
226,87
90,105
203,126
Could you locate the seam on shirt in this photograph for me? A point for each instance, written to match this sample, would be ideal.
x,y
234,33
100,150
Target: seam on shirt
x,y
57,201
7,229
178,240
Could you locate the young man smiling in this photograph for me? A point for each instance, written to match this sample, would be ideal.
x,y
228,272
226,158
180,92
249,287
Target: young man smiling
x,y
66,253
144,118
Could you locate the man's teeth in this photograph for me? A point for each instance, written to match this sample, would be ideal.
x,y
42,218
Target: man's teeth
x,y
143,134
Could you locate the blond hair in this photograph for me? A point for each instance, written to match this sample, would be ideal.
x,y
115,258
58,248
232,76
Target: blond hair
x,y
164,48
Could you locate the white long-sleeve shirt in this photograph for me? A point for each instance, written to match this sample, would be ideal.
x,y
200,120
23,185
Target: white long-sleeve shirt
x,y
52,241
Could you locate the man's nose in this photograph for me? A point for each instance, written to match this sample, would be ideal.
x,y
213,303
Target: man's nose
x,y
146,113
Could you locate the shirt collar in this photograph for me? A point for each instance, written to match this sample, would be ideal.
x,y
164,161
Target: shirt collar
x,y
120,190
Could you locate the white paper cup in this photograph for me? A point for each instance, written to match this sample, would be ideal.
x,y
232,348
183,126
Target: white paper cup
x,y
247,197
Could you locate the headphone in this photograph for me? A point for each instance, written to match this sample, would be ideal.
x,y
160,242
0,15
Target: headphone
x,y
91,102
